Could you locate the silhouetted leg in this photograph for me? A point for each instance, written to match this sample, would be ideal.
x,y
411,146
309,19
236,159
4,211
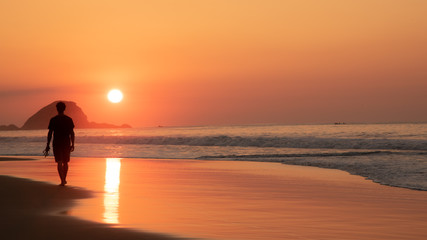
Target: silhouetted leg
x,y
65,171
60,172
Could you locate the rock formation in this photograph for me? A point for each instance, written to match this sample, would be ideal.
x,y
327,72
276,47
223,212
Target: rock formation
x,y
8,127
40,120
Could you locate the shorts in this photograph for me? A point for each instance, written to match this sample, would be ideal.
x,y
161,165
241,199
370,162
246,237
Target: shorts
x,y
62,154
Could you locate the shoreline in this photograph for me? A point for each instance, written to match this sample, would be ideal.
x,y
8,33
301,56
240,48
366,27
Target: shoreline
x,y
17,158
381,171
38,210
42,210
378,173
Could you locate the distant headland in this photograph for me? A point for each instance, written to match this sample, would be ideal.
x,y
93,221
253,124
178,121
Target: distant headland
x,y
40,120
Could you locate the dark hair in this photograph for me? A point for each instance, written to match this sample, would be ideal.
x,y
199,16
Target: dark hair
x,y
60,106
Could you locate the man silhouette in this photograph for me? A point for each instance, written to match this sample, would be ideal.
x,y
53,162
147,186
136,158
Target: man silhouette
x,y
63,140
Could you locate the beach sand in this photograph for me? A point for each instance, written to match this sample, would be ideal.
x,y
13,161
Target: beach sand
x,y
37,210
204,199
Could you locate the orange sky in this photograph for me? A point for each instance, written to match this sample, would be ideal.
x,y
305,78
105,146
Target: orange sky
x,y
216,62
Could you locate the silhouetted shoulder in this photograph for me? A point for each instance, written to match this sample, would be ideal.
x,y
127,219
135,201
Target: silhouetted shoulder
x,y
61,122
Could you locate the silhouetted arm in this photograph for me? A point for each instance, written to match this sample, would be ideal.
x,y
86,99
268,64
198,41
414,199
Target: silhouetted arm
x,y
72,140
49,138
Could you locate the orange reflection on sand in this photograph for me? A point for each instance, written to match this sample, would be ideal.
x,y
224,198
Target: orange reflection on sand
x,y
111,188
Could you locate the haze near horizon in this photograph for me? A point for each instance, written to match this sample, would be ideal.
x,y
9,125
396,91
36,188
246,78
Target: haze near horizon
x,y
216,62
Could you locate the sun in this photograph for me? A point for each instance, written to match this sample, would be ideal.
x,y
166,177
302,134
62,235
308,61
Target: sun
x,y
115,96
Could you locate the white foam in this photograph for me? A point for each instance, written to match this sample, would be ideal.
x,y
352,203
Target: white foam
x,y
407,170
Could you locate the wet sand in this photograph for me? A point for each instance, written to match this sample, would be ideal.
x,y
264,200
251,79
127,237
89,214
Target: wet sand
x,y
37,210
16,158
206,199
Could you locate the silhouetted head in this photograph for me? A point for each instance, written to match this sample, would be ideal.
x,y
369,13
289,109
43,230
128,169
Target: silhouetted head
x,y
60,106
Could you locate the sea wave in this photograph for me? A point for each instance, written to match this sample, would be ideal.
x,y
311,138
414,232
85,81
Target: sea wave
x,y
392,168
305,155
273,142
257,156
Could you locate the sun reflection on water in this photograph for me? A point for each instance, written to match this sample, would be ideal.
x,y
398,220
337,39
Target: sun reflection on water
x,y
111,188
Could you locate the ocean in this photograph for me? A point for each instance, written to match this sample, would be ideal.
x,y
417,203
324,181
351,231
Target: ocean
x,y
237,182
391,154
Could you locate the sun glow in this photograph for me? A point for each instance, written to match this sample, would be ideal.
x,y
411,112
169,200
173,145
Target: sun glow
x,y
111,189
115,96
